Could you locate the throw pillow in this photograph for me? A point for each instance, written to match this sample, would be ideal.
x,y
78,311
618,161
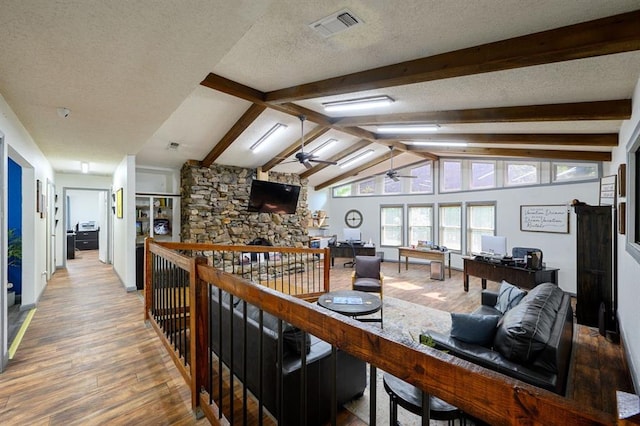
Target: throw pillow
x,y
474,328
508,296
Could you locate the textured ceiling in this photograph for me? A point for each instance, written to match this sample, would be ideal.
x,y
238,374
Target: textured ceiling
x,y
130,71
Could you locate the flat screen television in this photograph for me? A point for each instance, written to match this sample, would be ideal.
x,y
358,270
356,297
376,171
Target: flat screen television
x,y
493,245
273,197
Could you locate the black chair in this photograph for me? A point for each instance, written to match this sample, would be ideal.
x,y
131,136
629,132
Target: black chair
x,y
352,262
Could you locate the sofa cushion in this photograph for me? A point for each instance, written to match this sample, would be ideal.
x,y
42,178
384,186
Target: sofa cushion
x,y
473,328
524,330
508,296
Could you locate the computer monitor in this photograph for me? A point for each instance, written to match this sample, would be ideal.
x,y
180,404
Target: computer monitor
x,y
351,234
493,245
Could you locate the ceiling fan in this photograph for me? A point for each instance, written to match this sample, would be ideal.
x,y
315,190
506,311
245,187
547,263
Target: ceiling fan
x,y
305,158
393,173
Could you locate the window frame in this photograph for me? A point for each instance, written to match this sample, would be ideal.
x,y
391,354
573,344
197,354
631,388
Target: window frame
x,y
441,228
495,173
442,179
535,164
431,168
409,226
383,226
469,229
632,236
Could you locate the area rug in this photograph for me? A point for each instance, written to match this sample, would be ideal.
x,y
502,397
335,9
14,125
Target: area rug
x,y
405,321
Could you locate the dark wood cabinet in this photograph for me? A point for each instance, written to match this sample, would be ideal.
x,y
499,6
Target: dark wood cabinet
x,y
87,240
595,263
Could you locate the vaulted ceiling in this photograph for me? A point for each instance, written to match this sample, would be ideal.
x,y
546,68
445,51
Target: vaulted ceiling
x,y
552,80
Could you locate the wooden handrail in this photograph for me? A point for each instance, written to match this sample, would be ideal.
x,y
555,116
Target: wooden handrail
x,y
488,395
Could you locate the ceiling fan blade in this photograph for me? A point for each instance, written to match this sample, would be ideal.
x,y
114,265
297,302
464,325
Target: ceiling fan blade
x,y
307,164
408,176
395,178
333,163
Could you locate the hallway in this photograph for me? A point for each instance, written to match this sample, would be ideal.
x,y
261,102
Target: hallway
x,y
89,358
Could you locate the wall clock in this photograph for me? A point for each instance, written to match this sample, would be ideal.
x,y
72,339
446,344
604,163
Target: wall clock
x,y
353,218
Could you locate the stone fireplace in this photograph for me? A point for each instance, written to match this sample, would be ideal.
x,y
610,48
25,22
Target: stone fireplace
x,y
214,208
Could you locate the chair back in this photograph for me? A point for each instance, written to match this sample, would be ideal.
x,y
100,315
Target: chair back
x,y
368,267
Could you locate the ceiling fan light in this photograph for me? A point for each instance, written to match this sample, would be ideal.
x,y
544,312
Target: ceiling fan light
x,y
256,146
356,158
437,143
356,104
410,128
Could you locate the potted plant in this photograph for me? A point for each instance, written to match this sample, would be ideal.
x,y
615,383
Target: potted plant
x,y
14,258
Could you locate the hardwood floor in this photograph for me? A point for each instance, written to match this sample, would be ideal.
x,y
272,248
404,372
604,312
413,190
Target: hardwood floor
x,y
88,358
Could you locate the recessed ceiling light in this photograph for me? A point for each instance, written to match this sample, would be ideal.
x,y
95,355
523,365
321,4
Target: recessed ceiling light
x,y
360,103
436,143
256,146
356,159
410,128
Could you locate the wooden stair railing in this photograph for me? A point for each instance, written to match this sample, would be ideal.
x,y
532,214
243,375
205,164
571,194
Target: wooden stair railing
x,y
485,394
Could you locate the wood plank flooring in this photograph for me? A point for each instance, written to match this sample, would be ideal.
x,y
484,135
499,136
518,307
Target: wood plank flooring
x,y
88,357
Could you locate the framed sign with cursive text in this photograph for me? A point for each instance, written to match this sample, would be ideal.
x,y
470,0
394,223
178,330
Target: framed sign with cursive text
x,y
545,218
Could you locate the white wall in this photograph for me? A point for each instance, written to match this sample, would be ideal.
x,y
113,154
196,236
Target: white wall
x,y
124,229
628,267
558,249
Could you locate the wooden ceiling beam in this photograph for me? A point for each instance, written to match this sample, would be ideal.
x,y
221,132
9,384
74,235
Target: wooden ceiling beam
x,y
605,36
236,130
519,153
571,139
356,170
577,111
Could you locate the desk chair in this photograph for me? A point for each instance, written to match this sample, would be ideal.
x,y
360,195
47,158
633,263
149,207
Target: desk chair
x,y
368,278
352,262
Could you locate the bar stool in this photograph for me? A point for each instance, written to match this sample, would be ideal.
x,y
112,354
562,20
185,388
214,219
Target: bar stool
x,y
410,398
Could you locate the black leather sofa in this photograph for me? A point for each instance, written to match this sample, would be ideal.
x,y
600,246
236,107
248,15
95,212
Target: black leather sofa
x,y
350,374
532,340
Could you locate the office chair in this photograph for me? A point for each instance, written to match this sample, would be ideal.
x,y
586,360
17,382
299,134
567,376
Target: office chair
x,y
367,277
352,262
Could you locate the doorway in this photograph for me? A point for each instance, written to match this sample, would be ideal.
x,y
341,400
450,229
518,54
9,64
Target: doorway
x,y
87,223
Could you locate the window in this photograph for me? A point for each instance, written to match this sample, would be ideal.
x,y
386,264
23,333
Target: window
x,y
451,176
483,175
392,187
391,226
342,191
423,181
451,227
367,187
521,174
481,220
420,224
567,172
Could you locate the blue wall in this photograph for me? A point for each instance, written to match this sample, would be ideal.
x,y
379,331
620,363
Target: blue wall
x,y
14,217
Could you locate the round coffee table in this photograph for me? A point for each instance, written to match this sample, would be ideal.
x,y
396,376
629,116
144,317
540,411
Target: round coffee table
x,y
352,303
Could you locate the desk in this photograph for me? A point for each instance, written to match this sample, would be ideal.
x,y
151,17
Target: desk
x,y
518,276
437,255
345,250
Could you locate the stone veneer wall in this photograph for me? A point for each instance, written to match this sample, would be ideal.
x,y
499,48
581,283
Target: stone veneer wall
x,y
214,208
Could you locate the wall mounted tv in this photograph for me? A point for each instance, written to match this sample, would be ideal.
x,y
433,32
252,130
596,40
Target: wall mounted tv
x,y
273,197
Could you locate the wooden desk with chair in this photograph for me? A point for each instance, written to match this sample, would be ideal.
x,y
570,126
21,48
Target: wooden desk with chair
x,y
516,275
350,251
437,255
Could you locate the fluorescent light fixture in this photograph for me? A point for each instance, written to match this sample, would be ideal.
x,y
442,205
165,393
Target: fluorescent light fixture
x,y
84,167
278,126
356,159
436,143
410,128
355,104
326,145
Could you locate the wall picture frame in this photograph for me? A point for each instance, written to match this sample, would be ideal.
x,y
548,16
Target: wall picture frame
x,y
622,180
608,190
622,217
119,202
552,218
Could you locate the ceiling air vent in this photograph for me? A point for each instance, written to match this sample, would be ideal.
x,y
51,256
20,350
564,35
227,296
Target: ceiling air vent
x,y
336,23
